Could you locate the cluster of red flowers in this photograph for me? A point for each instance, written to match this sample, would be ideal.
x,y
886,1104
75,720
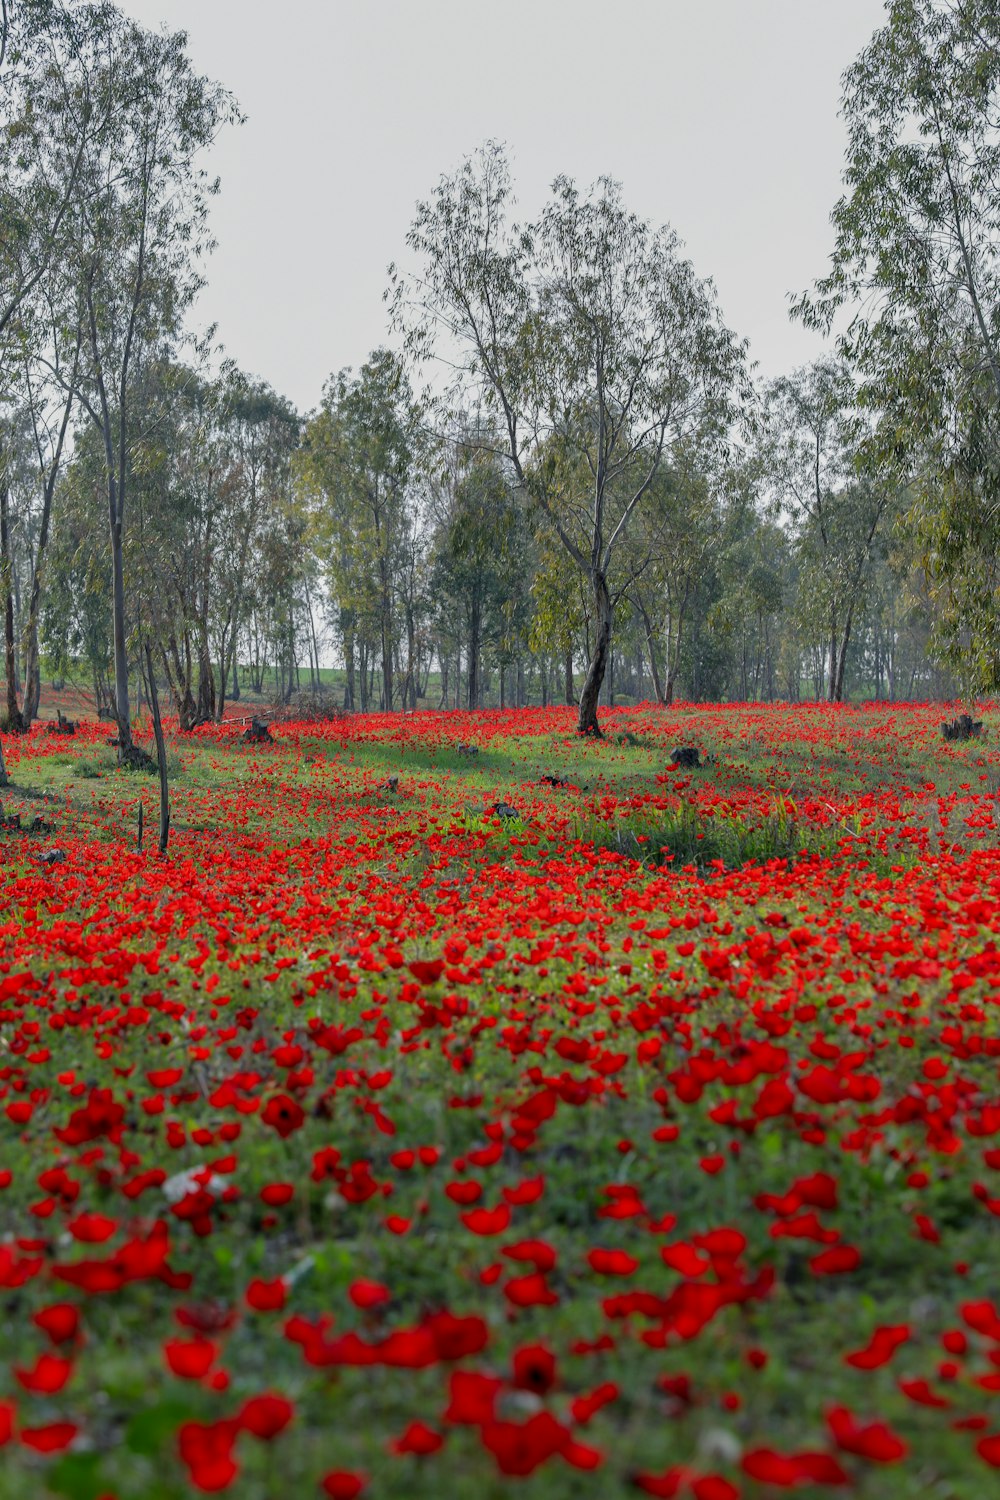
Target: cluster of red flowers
x,y
375,1125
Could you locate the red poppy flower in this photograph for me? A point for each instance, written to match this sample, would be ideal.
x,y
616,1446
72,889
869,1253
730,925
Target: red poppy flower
x,y
612,1262
873,1440
265,1416
283,1114
418,1439
47,1375
191,1359
206,1448
267,1296
52,1438
61,1321
342,1484
534,1369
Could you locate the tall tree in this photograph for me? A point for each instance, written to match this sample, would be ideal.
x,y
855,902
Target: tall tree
x,y
136,231
479,556
914,285
587,338
357,464
815,441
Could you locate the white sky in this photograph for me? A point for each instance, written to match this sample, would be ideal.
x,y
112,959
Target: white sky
x,y
719,117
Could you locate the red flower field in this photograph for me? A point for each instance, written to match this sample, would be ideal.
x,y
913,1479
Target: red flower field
x,y
375,1141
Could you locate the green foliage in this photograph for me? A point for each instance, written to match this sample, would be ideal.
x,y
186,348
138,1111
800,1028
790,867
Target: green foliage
x,y
916,266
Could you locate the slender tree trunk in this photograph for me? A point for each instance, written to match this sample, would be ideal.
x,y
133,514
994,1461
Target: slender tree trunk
x,y
587,717
475,625
409,684
206,676
220,707
15,722
363,674
832,685
837,696
122,707
654,667
161,754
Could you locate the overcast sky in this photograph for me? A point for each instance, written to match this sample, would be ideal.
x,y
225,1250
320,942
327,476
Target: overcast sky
x,y
720,117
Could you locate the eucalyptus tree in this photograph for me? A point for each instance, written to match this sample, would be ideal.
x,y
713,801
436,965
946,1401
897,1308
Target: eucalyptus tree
x,y
679,529
914,289
260,430
585,332
481,566
358,468
50,118
837,499
210,469
135,230
44,399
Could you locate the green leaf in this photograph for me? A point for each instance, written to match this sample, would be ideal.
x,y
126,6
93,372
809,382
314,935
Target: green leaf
x,y
78,1477
147,1432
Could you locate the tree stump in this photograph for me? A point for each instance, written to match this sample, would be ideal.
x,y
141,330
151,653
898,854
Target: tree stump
x,y
965,727
685,755
62,724
257,733
135,758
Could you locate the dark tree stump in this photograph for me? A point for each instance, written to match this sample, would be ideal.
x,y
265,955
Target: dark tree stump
x,y
685,755
135,758
257,733
62,725
962,728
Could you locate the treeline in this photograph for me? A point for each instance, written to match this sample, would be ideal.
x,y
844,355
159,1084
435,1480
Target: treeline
x,y
563,481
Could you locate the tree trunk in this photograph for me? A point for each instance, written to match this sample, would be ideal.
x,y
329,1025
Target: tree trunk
x,y
206,678
654,668
161,754
587,717
409,684
386,628
363,674
832,686
32,668
122,709
15,723
568,669
475,623
837,695
347,632
224,654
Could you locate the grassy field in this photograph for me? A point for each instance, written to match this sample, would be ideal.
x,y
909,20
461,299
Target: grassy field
x,y
636,1137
